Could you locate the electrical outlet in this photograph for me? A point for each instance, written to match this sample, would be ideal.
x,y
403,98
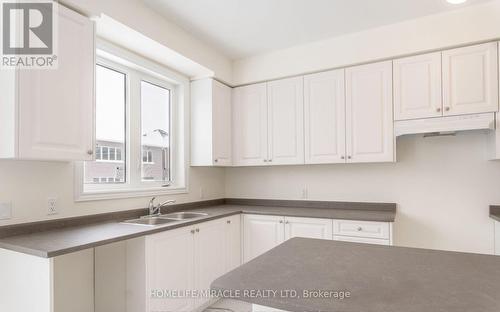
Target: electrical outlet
x,y
5,210
51,205
305,192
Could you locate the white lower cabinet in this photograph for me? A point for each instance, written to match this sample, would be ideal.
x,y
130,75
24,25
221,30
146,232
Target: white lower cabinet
x,y
185,259
262,232
497,238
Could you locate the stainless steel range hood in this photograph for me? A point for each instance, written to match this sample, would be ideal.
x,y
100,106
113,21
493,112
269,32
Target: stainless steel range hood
x,y
447,124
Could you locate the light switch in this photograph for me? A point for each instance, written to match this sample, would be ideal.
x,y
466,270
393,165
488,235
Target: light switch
x,y
5,210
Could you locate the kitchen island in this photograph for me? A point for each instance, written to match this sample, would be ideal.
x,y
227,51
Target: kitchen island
x,y
376,279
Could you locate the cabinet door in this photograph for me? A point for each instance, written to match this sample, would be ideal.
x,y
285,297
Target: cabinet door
x,y
324,115
286,121
250,125
233,242
369,120
470,79
417,87
221,124
308,228
497,238
169,264
210,255
56,107
260,234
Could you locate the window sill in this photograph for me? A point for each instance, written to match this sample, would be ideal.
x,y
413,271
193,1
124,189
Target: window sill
x,y
129,193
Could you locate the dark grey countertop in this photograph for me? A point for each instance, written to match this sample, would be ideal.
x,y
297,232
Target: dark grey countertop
x,y
495,213
60,241
379,278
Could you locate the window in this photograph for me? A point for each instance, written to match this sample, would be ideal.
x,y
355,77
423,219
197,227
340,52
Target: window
x,y
140,130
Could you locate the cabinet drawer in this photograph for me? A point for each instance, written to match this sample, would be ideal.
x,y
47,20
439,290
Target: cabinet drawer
x,y
368,229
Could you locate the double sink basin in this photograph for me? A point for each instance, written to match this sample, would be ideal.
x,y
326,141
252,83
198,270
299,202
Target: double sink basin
x,y
166,218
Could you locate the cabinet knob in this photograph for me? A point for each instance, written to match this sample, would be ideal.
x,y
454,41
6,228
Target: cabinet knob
x,y
216,160
360,229
197,230
349,157
90,152
228,221
265,160
342,157
287,222
192,231
447,108
270,160
438,109
281,221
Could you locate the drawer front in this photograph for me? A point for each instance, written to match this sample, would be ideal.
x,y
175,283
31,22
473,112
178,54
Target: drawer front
x,y
368,229
374,241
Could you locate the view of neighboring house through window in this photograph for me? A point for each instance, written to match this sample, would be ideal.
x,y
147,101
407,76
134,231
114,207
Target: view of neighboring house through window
x,y
110,165
155,143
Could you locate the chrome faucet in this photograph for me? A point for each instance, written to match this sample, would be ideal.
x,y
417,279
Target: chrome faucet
x,y
156,210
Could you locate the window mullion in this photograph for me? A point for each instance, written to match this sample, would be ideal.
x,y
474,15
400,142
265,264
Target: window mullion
x,y
135,155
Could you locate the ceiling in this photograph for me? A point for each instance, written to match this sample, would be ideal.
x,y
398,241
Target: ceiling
x,y
242,28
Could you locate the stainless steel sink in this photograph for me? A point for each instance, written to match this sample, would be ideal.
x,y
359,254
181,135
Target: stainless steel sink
x,y
153,221
184,215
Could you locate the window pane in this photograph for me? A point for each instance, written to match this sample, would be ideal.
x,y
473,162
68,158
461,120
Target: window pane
x,y
110,128
155,120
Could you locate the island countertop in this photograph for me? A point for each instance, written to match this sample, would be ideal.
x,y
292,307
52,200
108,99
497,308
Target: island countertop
x,y
378,278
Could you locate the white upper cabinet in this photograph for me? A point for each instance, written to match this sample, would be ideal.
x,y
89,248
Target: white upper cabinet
x,y
250,125
210,123
470,79
49,113
324,117
417,87
286,121
369,117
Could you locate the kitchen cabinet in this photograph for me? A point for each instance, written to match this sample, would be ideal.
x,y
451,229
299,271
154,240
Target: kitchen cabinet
x,y
324,117
308,227
369,232
286,121
249,126
203,252
268,123
59,284
49,114
497,238
260,234
470,79
210,123
369,113
417,87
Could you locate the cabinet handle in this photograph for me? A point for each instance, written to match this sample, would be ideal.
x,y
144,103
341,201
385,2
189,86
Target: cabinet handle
x,y
447,109
265,160
228,221
90,152
197,230
270,160
287,222
438,109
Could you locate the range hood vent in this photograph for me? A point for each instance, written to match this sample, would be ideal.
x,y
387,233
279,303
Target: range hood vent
x,y
445,124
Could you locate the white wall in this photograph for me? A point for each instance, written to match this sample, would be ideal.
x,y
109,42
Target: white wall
x,y
471,24
443,187
28,184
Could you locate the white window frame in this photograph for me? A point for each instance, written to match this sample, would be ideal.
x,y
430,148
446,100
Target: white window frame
x,y
140,69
